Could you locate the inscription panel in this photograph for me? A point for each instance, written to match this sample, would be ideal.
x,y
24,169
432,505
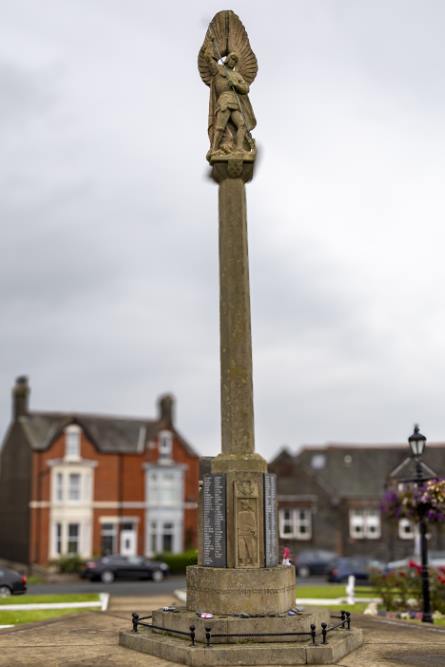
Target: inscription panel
x,y
214,521
270,520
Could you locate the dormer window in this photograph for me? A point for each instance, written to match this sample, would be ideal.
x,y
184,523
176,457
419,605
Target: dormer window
x,y
72,443
318,461
165,444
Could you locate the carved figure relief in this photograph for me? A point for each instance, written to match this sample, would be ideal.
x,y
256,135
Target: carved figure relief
x,y
228,66
246,492
247,534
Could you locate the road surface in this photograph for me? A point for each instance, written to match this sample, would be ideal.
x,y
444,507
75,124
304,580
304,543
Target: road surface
x,y
144,587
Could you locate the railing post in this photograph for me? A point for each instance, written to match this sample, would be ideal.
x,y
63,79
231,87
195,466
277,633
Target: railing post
x,y
135,621
192,634
343,618
324,633
313,633
208,636
348,620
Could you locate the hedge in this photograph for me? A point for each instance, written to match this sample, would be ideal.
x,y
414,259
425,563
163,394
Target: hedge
x,y
178,562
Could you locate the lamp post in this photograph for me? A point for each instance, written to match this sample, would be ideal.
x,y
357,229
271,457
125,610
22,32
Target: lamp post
x,y
417,443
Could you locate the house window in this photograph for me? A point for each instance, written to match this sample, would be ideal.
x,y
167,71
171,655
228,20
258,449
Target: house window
x,y
165,444
153,537
59,487
364,524
73,538
108,534
167,537
74,486
72,443
406,529
296,524
165,487
318,461
286,523
58,540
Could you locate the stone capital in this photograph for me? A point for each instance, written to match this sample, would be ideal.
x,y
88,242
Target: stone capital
x,y
233,167
249,462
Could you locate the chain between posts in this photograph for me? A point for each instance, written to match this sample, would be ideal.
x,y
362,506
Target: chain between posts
x,y
344,624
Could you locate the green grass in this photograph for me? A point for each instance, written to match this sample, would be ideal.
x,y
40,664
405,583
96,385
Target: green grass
x,y
331,591
32,599
18,617
334,591
357,608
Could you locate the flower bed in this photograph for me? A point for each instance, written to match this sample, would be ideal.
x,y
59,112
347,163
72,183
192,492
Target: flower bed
x,y
401,590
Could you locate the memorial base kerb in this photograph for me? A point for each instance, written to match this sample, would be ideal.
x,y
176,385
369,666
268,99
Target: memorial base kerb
x,y
182,637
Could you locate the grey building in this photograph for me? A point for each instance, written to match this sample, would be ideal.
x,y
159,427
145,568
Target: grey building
x,y
329,497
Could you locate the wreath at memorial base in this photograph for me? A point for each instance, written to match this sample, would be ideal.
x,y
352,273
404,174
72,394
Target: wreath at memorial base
x,y
415,502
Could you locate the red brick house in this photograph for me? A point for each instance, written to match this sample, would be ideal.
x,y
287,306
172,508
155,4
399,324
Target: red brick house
x,y
74,483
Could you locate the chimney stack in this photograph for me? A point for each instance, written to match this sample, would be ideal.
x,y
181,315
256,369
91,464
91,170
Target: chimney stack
x,y
20,396
166,405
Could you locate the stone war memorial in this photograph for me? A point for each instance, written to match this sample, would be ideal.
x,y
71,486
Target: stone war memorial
x,y
240,607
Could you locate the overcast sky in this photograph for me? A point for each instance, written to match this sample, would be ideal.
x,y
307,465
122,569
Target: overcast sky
x,y
108,271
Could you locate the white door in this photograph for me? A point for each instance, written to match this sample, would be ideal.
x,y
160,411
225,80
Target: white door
x,y
128,543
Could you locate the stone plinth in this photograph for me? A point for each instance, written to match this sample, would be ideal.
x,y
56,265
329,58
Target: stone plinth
x,y
182,619
268,590
341,642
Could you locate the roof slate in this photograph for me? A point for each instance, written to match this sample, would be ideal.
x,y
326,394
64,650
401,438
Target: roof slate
x,y
110,434
358,472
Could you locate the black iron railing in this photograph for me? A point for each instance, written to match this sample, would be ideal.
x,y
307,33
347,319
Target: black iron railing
x,y
325,628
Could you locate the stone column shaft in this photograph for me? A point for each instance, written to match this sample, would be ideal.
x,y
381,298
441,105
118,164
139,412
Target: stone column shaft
x,y
235,329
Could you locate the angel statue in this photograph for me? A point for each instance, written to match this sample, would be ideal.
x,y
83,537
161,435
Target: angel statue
x,y
228,65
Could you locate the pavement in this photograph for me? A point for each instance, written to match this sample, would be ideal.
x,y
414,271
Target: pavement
x,y
90,640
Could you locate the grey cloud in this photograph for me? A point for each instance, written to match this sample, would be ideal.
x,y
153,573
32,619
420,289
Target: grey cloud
x,y
109,288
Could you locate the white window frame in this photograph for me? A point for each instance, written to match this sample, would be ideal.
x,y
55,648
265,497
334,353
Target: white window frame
x,y
77,538
165,444
406,529
74,492
62,489
61,537
165,487
152,537
58,538
298,521
72,442
59,487
365,524
110,531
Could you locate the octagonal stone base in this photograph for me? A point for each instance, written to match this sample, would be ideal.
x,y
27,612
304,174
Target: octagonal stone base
x,y
270,590
242,651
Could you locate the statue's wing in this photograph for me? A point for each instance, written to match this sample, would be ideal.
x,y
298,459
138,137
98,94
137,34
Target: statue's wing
x,y
238,41
216,42
226,33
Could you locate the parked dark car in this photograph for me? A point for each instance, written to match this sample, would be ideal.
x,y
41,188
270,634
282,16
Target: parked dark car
x,y
313,561
109,568
11,583
341,568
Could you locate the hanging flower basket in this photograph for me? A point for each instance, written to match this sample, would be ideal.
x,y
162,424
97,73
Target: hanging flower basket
x,y
412,503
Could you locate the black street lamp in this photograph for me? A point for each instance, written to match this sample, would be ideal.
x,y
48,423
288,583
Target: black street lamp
x,y
417,443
